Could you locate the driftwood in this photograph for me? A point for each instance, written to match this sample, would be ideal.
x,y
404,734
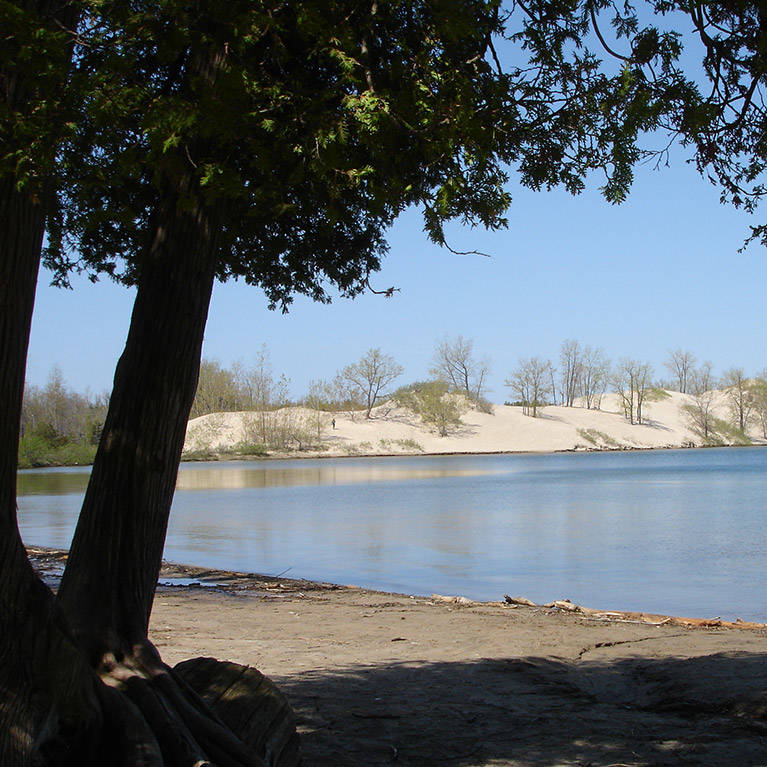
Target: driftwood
x,y
652,619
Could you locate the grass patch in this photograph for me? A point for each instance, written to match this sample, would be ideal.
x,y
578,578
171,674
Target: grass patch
x,y
409,444
597,438
248,448
199,455
240,450
729,434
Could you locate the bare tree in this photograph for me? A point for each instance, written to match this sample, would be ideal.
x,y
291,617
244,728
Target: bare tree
x,y
632,380
759,394
571,370
316,400
454,362
680,364
595,376
739,396
268,395
553,383
530,382
221,389
369,377
700,411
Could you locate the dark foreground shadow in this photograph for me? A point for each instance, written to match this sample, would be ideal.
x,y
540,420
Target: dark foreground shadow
x,y
702,711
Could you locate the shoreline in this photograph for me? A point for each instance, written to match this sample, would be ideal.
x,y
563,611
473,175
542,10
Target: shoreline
x,y
308,455
173,575
378,679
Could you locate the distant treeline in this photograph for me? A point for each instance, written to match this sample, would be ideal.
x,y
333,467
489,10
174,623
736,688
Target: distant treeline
x,y
579,377
60,426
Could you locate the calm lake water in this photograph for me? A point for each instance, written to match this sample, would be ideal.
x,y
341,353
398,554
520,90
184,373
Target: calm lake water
x,y
680,532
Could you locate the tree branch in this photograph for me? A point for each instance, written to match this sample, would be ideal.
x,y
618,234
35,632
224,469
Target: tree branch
x,y
602,40
388,292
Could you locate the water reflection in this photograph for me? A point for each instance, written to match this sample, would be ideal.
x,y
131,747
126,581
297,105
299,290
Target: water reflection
x,y
52,482
323,473
674,531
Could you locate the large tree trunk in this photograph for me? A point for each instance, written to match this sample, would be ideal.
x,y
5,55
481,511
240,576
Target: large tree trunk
x,y
45,685
109,582
110,578
115,558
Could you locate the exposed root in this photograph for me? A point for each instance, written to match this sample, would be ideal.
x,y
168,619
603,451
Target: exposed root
x,y
250,704
237,719
178,725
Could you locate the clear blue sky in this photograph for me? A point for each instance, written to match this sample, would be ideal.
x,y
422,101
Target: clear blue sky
x,y
658,272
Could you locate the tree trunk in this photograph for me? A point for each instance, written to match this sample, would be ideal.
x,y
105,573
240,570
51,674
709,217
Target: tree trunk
x,y
53,708
45,686
21,597
108,585
110,578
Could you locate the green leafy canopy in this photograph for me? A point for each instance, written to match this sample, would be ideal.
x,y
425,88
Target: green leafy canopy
x,y
308,127
305,128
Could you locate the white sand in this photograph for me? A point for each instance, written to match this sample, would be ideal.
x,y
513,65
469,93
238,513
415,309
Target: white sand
x,y
393,430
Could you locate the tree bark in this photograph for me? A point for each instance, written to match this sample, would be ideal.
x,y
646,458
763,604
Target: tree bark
x,y
109,582
108,585
22,596
45,686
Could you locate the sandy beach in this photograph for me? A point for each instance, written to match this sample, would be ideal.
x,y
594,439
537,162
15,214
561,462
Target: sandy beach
x,y
397,431
381,679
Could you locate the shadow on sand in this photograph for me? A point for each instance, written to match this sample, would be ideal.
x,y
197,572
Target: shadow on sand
x,y
633,711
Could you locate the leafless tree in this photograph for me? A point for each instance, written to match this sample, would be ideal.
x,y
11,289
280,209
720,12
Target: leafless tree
x,y
680,364
369,378
700,411
454,362
316,400
739,396
553,384
61,411
571,370
529,382
759,393
632,384
595,376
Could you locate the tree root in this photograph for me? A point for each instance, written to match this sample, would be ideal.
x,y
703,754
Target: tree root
x,y
237,719
57,710
249,703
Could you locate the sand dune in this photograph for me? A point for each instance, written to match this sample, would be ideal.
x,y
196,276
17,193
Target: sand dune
x,y
393,430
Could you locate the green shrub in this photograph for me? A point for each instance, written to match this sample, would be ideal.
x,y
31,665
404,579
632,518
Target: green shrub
x,y
40,449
